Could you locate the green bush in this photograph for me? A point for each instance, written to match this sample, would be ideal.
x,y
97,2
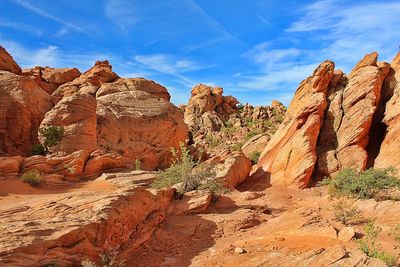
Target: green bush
x,y
212,141
38,149
255,156
138,164
183,171
362,184
52,135
237,147
106,260
370,248
345,213
32,177
253,133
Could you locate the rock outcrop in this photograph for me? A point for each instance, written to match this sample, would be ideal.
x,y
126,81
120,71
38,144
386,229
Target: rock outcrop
x,y
139,126
390,147
81,224
49,79
7,62
23,105
290,155
77,114
353,106
208,109
89,82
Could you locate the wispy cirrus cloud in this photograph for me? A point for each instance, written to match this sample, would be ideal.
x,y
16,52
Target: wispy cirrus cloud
x,y
169,64
349,33
123,13
20,27
41,12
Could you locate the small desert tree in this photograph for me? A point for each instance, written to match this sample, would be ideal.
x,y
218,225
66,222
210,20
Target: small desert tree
x,y
52,136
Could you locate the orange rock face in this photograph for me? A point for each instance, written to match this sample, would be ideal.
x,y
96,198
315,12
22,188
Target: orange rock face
x,y
71,165
134,84
77,114
139,126
390,148
50,78
7,63
10,166
353,101
208,108
23,105
99,162
290,155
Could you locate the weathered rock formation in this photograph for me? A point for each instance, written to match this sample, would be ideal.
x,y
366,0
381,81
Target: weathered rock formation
x,y
50,78
113,212
127,118
389,151
353,107
7,62
208,109
77,114
290,155
23,105
336,121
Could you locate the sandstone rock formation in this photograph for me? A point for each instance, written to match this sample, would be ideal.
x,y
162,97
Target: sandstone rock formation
x,y
290,155
139,126
81,224
7,63
208,109
355,103
50,78
89,82
390,147
77,114
23,105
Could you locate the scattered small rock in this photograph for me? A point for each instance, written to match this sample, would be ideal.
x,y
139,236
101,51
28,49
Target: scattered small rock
x,y
346,234
239,250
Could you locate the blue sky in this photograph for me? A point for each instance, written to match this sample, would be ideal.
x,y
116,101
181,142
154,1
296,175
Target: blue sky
x,y
256,50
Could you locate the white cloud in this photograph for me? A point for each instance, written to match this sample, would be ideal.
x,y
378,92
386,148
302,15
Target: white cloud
x,y
43,13
50,56
168,64
122,12
349,31
20,27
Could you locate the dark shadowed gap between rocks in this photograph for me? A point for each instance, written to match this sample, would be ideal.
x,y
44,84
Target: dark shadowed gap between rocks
x,y
377,131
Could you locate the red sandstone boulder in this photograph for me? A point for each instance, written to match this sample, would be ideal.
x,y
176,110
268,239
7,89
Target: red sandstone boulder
x,y
133,84
10,166
7,62
77,114
50,78
23,105
207,109
71,165
139,126
99,162
290,155
389,151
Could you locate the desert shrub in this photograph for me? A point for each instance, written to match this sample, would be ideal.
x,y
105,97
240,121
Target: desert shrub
x,y
32,177
237,147
267,123
345,213
191,174
362,184
255,156
38,149
212,141
52,135
240,106
369,246
228,129
253,133
106,260
138,164
279,118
